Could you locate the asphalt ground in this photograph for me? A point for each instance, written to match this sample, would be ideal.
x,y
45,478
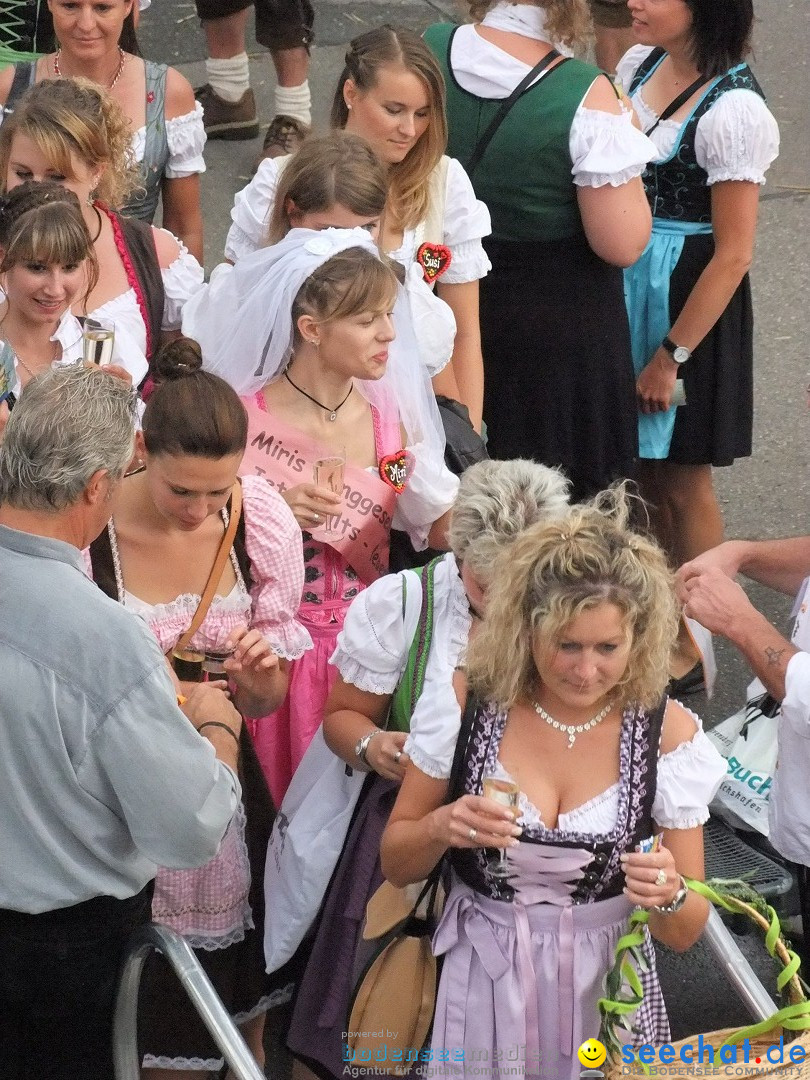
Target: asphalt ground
x,y
763,496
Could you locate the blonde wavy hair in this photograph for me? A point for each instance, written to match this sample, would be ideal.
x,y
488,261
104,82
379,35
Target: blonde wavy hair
x,y
366,56
551,574
74,116
567,21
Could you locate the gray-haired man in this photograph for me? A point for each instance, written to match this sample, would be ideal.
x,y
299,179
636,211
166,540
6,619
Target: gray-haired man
x,y
102,777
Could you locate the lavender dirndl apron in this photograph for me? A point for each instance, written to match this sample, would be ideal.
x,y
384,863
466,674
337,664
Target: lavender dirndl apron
x,y
524,960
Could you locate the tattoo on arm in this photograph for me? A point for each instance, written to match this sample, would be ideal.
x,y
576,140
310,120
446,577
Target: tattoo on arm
x,y
773,656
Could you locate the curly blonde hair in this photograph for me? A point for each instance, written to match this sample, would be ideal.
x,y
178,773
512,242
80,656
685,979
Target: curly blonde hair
x,y
568,22
74,116
386,47
551,574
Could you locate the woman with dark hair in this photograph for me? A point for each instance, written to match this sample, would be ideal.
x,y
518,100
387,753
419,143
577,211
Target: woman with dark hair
x,y
98,42
688,297
155,558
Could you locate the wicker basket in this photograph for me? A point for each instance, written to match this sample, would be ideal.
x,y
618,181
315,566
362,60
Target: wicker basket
x,y
793,1028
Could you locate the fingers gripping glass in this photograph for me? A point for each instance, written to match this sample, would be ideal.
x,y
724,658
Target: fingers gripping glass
x,y
327,472
506,793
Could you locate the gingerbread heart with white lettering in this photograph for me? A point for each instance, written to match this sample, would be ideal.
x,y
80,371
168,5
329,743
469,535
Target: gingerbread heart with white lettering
x,y
434,260
395,469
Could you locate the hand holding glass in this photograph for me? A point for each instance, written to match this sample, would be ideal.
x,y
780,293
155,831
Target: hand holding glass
x,y
504,792
327,473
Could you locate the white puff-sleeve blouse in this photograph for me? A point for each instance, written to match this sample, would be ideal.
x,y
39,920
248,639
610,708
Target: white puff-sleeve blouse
x,y
687,780
605,148
372,648
185,136
466,221
736,139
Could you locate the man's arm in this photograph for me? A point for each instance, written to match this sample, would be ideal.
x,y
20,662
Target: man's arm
x,y
780,564
719,604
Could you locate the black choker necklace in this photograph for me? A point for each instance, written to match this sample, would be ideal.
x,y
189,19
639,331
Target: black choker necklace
x,y
332,412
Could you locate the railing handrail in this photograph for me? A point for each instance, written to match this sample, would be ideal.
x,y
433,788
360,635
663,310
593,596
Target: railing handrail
x,y
200,991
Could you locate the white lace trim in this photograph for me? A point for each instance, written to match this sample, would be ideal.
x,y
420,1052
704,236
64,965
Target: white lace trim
x,y
270,1001
351,671
208,1064
425,764
754,176
233,937
239,243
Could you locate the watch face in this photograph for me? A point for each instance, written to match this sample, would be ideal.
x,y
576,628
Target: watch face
x,y
681,355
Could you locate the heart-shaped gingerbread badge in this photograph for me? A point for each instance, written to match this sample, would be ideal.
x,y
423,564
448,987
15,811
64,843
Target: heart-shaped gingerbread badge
x,y
434,260
395,469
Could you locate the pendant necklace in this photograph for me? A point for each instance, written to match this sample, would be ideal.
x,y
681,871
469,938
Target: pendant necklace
x,y
332,412
572,730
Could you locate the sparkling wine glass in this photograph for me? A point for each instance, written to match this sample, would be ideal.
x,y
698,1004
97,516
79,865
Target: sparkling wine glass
x,y
327,472
98,339
506,793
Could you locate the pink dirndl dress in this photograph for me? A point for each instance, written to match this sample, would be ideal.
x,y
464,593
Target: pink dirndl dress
x,y
218,907
332,579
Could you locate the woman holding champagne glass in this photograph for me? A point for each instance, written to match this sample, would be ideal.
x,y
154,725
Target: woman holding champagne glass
x,y
304,330
573,762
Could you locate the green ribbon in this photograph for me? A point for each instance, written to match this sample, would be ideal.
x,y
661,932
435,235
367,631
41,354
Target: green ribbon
x,y
624,994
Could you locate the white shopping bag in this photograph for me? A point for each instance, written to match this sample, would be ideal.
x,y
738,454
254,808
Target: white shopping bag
x,y
307,838
748,742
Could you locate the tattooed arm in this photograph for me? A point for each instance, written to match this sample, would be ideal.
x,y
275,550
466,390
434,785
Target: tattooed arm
x,y
719,603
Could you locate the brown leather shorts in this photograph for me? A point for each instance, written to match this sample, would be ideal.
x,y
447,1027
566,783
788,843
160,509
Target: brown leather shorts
x,y
280,24
612,14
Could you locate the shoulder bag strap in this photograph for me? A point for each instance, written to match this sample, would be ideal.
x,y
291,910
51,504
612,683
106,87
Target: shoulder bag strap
x,y
215,576
506,105
103,564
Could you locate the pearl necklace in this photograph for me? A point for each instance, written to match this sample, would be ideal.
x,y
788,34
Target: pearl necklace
x,y
58,71
572,730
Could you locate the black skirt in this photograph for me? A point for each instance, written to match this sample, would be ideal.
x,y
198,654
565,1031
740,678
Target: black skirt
x,y
559,385
714,426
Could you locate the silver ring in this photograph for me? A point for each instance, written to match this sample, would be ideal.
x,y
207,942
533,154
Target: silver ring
x,y
397,756
472,834
661,877
316,517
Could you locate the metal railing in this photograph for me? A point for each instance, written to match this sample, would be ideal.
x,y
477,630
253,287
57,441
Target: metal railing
x,y
200,991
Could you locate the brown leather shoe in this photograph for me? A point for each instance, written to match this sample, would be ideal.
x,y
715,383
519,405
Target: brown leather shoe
x,y
228,119
284,135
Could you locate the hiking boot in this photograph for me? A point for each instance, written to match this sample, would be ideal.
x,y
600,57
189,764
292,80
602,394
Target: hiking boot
x,y
228,119
284,135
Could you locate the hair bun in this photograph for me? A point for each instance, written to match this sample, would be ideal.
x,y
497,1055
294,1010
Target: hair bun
x,y
176,359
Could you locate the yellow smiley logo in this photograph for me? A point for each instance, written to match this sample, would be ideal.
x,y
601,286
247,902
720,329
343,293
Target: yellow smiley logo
x,y
591,1054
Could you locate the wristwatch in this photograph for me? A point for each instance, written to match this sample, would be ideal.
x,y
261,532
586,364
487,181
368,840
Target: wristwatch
x,y
679,353
362,745
676,903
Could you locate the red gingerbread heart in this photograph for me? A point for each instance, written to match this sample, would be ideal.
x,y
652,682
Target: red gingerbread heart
x,y
395,469
434,260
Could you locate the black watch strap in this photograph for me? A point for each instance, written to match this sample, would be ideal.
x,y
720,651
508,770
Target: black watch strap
x,y
669,345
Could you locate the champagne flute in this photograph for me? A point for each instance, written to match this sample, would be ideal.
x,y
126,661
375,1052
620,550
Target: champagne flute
x,y
327,472
98,339
506,793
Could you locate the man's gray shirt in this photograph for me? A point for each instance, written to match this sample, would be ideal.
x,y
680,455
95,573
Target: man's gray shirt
x,y
102,777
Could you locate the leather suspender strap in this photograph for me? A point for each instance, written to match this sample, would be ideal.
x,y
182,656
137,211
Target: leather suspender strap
x,y
215,576
506,105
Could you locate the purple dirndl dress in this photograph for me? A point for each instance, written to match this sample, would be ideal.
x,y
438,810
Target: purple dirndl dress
x,y
524,960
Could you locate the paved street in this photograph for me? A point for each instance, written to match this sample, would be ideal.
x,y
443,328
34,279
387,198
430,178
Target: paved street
x,y
766,495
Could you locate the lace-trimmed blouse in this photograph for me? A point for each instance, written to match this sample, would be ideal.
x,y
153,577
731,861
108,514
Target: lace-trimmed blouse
x,y
186,138
687,779
273,544
605,147
466,221
736,139
372,648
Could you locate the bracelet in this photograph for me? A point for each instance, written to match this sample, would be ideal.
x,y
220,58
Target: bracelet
x,y
677,901
216,723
